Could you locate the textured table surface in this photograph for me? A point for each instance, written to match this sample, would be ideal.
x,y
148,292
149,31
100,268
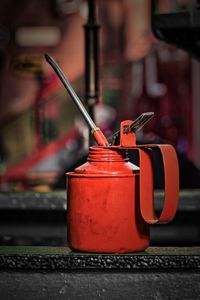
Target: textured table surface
x,y
62,258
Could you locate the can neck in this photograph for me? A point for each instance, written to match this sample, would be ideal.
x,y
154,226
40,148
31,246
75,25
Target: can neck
x,y
107,154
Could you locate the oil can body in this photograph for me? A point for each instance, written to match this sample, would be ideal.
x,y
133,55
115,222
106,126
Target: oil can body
x,y
103,209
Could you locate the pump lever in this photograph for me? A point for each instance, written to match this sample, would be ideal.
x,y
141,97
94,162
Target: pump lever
x,y
141,121
135,126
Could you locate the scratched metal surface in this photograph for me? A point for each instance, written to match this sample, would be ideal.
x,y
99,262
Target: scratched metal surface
x,y
100,285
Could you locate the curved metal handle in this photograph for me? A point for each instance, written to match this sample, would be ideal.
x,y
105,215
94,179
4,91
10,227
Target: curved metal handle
x,y
171,174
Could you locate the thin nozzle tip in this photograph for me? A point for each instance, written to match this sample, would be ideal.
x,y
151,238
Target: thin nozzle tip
x,y
48,57
52,62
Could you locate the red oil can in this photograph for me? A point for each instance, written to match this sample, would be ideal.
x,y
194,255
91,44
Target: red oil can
x,y
110,200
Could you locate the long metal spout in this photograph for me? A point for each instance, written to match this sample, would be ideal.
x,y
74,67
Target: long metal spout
x,y
96,132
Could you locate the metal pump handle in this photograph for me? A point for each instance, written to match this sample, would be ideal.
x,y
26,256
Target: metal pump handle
x,y
128,127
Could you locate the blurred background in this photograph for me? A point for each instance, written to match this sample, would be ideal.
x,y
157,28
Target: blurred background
x,y
42,135
143,56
